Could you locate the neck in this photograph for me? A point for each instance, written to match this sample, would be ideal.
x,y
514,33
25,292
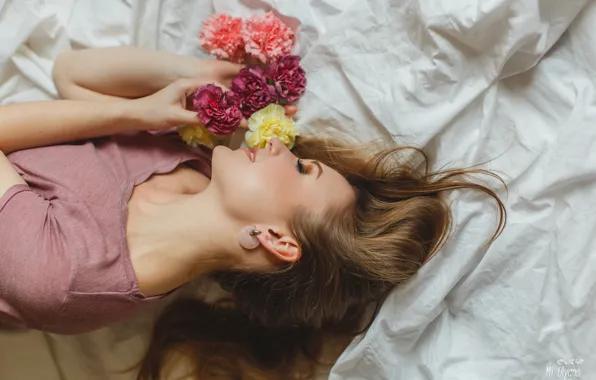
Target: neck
x,y
178,240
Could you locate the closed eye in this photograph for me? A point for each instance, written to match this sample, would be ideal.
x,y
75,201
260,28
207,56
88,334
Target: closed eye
x,y
300,167
303,169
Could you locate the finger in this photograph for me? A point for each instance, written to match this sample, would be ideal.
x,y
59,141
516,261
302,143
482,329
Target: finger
x,y
190,85
291,109
186,117
227,70
223,86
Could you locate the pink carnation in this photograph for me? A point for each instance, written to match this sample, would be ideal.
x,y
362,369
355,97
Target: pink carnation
x,y
221,36
219,111
267,38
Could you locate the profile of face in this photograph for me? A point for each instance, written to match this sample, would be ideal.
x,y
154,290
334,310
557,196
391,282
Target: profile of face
x,y
265,187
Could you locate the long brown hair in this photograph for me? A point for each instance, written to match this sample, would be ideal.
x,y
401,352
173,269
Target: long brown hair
x,y
277,325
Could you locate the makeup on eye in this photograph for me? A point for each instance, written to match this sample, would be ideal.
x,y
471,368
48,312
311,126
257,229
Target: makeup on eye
x,y
300,166
305,169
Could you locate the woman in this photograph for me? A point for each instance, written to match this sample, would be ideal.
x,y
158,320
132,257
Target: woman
x,y
99,218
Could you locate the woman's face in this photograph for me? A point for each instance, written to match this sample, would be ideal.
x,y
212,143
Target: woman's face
x,y
266,186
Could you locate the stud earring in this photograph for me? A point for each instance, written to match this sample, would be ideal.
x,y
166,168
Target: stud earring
x,y
247,237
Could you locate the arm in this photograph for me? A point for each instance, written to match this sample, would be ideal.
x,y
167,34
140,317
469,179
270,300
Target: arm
x,y
128,72
29,125
110,74
36,124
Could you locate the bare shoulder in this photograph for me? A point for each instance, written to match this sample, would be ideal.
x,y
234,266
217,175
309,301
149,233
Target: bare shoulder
x,y
8,175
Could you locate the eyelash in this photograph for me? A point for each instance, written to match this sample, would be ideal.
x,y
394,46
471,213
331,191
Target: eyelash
x,y
300,167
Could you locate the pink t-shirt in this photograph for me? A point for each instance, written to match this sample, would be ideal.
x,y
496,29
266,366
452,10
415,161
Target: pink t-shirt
x,y
64,263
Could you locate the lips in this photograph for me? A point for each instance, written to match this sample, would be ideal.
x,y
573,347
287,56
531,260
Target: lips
x,y
249,153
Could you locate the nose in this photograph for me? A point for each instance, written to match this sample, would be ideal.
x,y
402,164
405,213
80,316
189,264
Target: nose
x,y
276,147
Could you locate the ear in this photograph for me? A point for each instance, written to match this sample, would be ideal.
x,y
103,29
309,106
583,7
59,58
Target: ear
x,y
279,243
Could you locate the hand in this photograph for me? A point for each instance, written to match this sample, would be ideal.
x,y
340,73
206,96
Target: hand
x,y
219,72
167,108
211,71
170,107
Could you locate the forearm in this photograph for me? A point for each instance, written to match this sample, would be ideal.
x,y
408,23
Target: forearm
x,y
119,72
30,125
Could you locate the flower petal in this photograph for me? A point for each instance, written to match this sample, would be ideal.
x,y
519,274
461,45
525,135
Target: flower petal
x,y
270,122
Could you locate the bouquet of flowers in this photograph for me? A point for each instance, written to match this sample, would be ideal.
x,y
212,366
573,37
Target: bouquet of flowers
x,y
259,91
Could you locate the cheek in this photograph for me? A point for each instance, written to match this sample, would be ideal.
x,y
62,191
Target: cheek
x,y
270,191
255,192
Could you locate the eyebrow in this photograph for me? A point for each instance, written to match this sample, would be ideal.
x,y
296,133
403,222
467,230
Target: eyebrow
x,y
318,164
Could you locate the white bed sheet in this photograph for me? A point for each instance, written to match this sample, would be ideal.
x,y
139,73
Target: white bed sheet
x,y
455,77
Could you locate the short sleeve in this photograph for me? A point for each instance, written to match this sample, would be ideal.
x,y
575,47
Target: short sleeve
x,y
12,191
34,270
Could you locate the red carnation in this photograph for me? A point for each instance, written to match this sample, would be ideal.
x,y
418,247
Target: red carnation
x,y
252,87
288,77
218,110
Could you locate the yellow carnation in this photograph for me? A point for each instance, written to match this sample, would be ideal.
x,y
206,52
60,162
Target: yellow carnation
x,y
270,122
195,135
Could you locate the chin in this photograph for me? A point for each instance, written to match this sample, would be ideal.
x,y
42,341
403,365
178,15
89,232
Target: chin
x,y
222,163
220,148
219,153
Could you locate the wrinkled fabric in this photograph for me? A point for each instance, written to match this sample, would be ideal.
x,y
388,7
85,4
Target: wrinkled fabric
x,y
66,266
507,82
